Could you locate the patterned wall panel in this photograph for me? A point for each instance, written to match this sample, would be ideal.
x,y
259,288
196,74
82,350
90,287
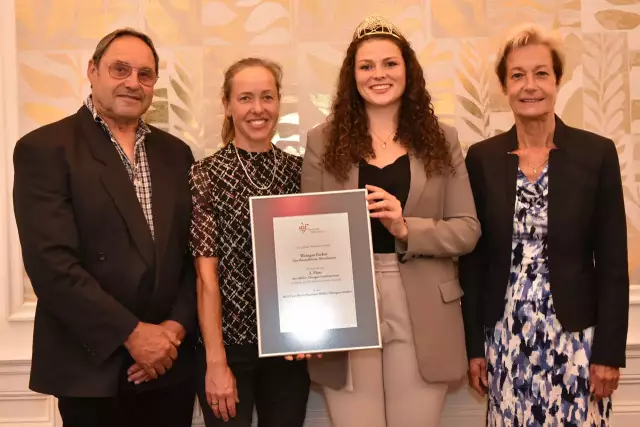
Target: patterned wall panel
x,y
455,40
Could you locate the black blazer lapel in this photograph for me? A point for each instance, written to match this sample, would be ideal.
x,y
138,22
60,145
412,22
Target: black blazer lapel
x,y
562,179
117,183
163,193
508,172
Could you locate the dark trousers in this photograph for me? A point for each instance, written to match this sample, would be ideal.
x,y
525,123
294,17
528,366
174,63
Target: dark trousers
x,y
170,406
279,389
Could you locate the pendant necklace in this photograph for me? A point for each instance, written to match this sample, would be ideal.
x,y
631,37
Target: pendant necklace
x,y
384,141
535,168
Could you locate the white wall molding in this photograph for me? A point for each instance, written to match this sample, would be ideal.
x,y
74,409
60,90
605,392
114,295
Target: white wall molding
x,y
21,407
15,335
633,340
10,259
18,405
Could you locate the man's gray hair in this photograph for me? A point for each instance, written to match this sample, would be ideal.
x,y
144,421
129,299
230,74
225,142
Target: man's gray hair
x,y
106,41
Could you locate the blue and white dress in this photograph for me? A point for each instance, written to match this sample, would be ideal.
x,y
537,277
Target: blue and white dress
x,y
538,372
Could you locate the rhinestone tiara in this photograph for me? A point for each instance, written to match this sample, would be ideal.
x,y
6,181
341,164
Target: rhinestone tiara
x,y
376,24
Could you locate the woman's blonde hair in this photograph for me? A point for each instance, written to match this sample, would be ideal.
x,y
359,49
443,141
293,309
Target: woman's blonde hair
x,y
228,131
530,34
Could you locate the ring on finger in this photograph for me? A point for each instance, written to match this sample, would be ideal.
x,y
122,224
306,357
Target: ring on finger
x,y
214,403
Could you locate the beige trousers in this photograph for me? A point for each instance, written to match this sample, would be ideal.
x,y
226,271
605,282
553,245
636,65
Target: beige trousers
x,y
386,389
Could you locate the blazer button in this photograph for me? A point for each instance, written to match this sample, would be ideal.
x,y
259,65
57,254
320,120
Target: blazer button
x,y
102,256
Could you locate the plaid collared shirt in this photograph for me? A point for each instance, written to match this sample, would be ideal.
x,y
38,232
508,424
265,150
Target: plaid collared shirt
x,y
139,172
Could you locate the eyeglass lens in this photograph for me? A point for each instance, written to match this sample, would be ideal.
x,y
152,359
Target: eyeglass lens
x,y
120,70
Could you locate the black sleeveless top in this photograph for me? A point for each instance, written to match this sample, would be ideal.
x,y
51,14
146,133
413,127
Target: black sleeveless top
x,y
395,179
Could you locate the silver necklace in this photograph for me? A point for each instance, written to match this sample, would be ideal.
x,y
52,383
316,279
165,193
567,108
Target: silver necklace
x,y
273,177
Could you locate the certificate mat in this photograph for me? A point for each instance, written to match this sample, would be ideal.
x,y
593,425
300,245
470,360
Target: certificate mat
x,y
314,276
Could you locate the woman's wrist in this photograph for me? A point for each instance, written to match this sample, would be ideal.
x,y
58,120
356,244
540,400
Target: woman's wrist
x,y
404,234
216,355
216,362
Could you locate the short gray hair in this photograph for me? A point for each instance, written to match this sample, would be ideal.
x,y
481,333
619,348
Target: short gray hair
x,y
106,41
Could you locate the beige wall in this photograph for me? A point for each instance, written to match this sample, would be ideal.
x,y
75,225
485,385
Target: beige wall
x,y
46,45
455,41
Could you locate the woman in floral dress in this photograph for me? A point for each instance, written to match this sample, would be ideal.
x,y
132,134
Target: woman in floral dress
x,y
546,289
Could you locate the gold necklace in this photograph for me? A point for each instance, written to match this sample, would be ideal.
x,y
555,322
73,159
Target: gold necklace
x,y
535,168
384,141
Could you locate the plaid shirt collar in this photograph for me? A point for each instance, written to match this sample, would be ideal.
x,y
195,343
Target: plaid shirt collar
x,y
141,132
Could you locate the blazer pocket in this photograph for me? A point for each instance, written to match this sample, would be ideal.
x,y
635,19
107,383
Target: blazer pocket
x,y
451,290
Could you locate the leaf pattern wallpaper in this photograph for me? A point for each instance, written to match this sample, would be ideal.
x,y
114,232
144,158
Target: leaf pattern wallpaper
x,y
456,41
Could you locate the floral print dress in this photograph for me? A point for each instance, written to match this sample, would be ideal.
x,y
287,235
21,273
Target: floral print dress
x,y
538,372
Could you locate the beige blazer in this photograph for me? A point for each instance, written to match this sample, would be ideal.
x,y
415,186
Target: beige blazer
x,y
442,222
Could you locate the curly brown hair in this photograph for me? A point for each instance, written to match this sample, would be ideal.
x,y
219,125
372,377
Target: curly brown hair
x,y
348,135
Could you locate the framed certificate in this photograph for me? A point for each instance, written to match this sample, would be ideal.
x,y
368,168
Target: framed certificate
x,y
314,275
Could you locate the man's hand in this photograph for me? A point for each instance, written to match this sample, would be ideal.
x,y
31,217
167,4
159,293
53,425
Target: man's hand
x,y
478,375
176,328
604,380
153,347
136,374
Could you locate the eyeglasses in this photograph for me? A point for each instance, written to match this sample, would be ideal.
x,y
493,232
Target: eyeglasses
x,y
120,71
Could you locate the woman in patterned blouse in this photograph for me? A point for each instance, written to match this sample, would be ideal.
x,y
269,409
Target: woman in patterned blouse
x,y
547,287
231,377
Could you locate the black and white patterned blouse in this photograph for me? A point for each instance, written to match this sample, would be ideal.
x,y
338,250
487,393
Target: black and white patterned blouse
x,y
221,226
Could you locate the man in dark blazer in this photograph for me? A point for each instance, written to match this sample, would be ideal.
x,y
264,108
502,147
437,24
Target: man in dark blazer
x,y
103,209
